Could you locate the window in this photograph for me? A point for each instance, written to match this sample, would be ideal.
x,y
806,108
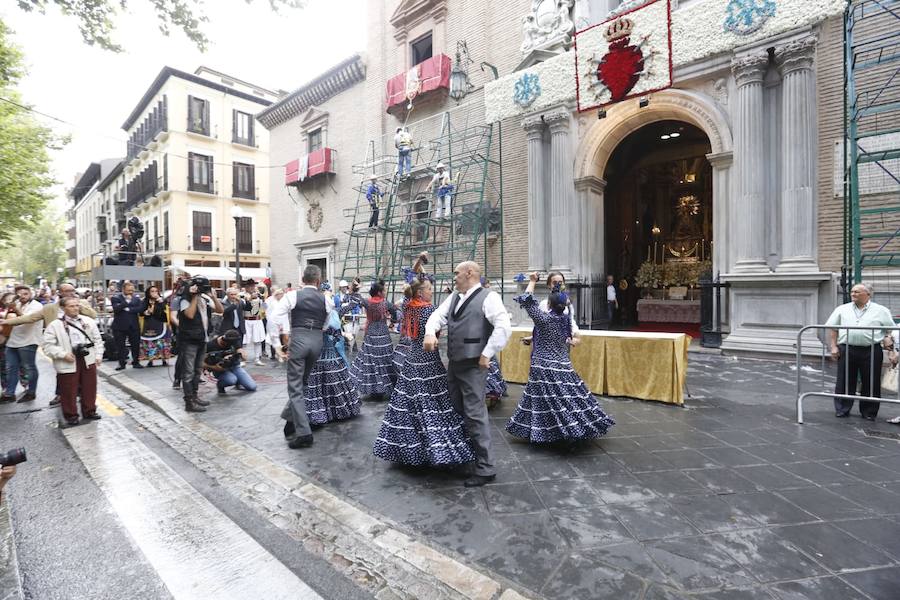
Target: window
x,y
243,178
315,140
421,49
148,246
202,230
200,171
243,128
245,235
157,242
198,115
165,231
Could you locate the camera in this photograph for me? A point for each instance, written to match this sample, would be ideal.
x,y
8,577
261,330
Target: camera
x,y
202,283
13,457
81,350
226,358
136,228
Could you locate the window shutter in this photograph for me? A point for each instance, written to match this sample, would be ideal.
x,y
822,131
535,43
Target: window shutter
x,y
235,135
190,123
250,130
206,117
251,183
235,180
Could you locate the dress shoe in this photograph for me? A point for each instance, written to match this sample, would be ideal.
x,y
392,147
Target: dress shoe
x,y
93,416
137,366
26,397
841,415
289,429
479,480
868,417
201,401
71,422
191,406
120,368
7,398
176,384
56,401
304,441
220,390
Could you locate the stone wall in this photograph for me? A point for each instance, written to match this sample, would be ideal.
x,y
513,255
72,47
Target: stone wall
x,y
830,99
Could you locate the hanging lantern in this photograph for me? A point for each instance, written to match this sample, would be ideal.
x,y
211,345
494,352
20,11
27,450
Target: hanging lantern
x,y
460,86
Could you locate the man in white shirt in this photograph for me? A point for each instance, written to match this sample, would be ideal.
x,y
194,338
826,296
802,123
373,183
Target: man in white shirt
x,y
21,348
612,303
403,143
442,186
478,327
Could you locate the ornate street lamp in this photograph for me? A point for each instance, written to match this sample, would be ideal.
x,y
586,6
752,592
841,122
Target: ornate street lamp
x,y
460,86
236,214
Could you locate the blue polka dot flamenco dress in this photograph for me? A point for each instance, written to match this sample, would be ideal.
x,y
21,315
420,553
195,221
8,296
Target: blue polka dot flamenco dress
x,y
556,405
371,370
402,347
420,426
330,395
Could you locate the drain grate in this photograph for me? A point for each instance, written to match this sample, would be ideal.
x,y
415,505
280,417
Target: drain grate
x,y
885,435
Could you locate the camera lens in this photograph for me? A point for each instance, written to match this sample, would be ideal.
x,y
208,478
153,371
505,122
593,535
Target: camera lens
x,y
13,457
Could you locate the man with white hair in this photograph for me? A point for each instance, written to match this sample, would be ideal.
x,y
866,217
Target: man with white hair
x,y
859,351
478,327
442,186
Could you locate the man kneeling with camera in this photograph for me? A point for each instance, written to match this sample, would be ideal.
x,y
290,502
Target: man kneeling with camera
x,y
223,360
76,348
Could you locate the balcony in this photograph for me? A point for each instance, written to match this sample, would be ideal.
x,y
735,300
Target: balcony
x,y
155,123
316,163
147,184
432,75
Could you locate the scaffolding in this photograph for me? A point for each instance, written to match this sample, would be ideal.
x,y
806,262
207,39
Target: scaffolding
x,y
871,151
408,222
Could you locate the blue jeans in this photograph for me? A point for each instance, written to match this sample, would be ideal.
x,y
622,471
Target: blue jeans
x,y
20,357
236,376
404,160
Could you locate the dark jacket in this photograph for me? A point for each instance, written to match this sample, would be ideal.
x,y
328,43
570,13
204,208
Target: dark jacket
x,y
227,323
125,314
154,322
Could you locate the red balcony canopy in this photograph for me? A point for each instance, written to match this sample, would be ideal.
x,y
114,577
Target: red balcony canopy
x,y
317,162
431,74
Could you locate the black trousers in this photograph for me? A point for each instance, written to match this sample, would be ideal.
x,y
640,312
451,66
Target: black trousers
x,y
859,363
373,220
134,338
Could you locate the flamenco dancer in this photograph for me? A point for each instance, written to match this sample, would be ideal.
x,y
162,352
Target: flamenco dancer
x,y
556,282
371,369
329,394
420,425
417,271
556,405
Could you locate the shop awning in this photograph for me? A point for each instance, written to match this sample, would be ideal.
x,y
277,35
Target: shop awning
x,y
223,273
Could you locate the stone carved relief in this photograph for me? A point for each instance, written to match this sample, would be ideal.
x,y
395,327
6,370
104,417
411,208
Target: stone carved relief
x,y
795,55
718,91
314,217
549,25
750,69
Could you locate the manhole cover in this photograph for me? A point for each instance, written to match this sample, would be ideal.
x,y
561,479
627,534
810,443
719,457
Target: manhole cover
x,y
886,435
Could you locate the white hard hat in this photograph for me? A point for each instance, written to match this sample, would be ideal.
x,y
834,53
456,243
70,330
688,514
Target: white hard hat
x,y
343,283
373,177
440,165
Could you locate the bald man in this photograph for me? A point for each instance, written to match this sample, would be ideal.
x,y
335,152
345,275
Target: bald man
x,y
478,327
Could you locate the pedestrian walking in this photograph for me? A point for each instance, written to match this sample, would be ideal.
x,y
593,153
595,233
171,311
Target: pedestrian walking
x,y
372,369
478,327
859,351
22,345
420,425
308,310
556,405
74,344
156,335
126,308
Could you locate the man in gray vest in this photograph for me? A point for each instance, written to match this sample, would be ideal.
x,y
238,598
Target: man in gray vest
x,y
307,309
478,327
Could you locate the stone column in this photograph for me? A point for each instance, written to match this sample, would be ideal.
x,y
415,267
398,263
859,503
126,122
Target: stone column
x,y
563,222
592,250
538,248
798,155
722,237
750,208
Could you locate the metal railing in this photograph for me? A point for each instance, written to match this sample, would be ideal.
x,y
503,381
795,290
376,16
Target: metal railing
x,y
874,376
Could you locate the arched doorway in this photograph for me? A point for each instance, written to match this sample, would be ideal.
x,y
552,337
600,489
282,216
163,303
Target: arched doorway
x,y
658,218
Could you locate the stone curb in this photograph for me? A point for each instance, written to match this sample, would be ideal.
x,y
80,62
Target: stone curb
x,y
346,520
10,581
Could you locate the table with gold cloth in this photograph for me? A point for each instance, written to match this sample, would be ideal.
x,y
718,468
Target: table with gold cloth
x,y
644,365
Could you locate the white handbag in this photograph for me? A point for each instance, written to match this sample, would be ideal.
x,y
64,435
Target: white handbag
x,y
889,378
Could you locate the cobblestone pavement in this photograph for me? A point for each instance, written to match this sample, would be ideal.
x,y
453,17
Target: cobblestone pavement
x,y
725,498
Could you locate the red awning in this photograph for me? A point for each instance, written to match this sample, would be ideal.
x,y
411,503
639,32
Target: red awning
x,y
431,74
315,163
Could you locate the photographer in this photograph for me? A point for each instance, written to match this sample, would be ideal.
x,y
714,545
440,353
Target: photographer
x,y
194,314
76,348
126,249
223,360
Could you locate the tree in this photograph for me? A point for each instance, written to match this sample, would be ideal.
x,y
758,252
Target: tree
x,y
25,178
96,17
37,253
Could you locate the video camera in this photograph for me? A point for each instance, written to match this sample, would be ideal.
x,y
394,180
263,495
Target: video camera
x,y
136,228
202,283
13,457
225,358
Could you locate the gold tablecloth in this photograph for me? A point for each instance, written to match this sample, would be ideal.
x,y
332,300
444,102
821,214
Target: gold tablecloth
x,y
644,365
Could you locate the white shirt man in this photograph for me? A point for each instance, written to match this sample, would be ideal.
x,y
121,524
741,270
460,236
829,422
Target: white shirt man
x,y
494,311
282,312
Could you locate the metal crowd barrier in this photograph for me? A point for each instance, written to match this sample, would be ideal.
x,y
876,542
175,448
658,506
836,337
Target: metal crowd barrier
x,y
826,359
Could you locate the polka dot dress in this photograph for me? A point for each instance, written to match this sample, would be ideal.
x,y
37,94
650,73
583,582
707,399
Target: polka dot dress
x,y
556,404
496,386
372,367
420,426
402,347
330,395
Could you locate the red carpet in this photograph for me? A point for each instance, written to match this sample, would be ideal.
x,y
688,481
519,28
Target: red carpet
x,y
692,329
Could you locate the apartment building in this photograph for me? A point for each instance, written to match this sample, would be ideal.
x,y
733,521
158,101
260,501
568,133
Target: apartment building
x,y
89,210
196,174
